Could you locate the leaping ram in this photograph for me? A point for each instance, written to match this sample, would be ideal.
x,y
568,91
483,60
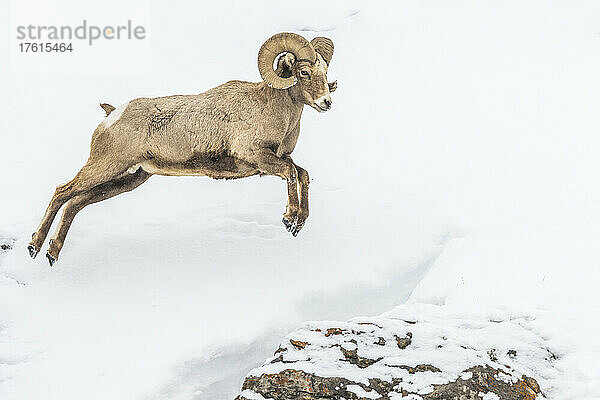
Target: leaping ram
x,y
234,130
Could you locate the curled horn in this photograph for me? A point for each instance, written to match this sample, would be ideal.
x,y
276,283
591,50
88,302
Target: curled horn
x,y
284,42
324,47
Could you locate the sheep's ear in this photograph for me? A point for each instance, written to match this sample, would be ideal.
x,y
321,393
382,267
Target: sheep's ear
x,y
332,86
284,65
323,46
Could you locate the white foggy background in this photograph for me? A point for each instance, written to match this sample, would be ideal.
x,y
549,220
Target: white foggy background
x,y
460,160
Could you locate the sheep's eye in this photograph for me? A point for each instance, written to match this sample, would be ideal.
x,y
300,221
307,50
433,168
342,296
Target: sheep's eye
x,y
305,73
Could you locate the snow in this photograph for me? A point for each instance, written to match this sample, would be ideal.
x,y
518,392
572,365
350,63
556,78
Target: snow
x,y
455,172
489,396
546,276
362,393
250,395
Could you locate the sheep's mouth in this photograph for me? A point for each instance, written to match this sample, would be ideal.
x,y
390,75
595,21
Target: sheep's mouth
x,y
319,108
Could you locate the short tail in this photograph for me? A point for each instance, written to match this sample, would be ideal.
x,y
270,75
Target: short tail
x,y
107,108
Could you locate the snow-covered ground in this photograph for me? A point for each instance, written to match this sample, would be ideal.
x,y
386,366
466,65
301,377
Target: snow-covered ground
x,y
457,168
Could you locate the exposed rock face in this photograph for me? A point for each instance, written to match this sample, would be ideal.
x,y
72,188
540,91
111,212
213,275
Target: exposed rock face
x,y
391,359
292,384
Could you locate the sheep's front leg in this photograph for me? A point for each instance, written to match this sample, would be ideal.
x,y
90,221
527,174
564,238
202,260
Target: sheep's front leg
x,y
303,182
291,210
269,164
302,205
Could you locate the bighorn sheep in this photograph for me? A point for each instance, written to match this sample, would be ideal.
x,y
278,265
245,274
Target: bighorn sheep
x,y
234,130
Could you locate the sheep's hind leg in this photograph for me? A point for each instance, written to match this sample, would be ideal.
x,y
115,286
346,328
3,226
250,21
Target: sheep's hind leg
x,y
99,193
57,201
93,173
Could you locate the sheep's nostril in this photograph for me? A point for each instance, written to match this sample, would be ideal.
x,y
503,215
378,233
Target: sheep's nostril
x,y
327,103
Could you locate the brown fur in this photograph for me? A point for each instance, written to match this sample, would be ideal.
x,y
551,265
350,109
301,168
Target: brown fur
x,y
232,131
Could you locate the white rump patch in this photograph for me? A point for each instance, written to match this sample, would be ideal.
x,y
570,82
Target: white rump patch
x,y
134,168
114,116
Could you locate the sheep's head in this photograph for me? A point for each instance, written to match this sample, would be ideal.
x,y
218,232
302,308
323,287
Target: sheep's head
x,y
301,64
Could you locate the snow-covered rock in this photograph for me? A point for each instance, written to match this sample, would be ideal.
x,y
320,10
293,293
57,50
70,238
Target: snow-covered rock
x,y
415,351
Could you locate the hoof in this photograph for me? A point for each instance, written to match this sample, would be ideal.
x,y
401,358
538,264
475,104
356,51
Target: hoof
x,y
297,227
289,225
32,251
51,260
